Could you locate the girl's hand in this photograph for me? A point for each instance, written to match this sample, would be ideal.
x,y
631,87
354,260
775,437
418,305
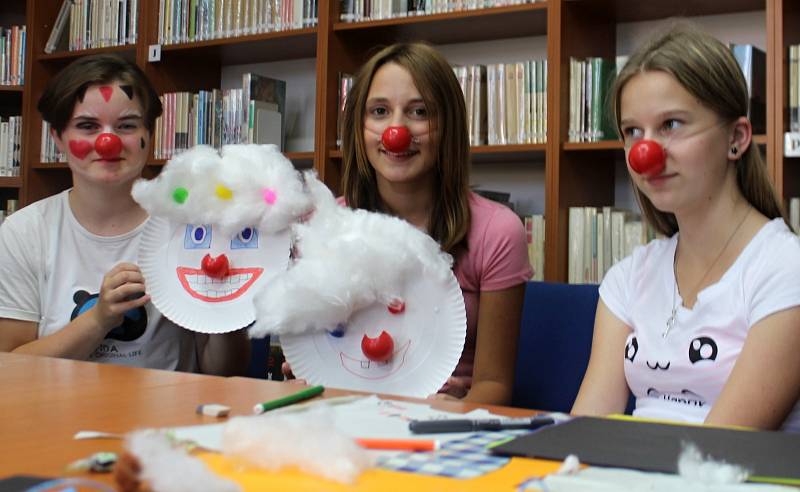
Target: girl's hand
x,y
122,289
286,369
126,474
455,388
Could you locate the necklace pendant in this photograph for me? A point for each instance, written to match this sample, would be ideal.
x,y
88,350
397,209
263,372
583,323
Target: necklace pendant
x,y
670,323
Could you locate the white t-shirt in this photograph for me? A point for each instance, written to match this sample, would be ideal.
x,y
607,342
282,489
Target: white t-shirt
x,y
51,269
679,376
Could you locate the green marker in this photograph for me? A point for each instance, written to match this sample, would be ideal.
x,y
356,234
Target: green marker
x,y
305,394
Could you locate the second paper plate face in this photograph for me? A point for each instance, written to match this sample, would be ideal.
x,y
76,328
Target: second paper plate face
x,y
172,262
427,338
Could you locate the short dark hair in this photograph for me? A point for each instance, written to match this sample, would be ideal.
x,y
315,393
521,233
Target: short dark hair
x,y
69,85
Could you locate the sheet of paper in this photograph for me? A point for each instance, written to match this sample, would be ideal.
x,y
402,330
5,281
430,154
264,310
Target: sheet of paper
x,y
369,417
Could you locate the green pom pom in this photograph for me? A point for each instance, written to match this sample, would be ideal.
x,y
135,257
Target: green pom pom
x,y
180,194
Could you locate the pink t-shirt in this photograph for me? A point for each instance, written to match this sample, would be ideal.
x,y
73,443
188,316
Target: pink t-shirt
x,y
496,259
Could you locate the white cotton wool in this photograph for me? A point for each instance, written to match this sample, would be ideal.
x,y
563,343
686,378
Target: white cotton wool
x,y
347,260
695,468
306,440
169,469
244,186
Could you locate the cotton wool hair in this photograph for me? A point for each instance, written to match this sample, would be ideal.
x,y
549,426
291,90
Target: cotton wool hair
x,y
346,260
243,186
169,469
307,440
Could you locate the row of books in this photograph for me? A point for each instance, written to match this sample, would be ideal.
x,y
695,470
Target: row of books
x,y
366,10
94,24
600,237
183,21
12,55
534,232
251,114
48,151
590,80
11,207
794,88
10,145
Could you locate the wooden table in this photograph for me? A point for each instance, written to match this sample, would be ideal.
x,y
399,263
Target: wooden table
x,y
45,401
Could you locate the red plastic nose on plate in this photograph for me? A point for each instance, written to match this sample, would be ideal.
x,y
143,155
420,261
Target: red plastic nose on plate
x,y
108,145
215,267
647,157
378,349
396,138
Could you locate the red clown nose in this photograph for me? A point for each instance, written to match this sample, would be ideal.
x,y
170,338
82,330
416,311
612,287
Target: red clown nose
x,y
108,145
647,157
378,349
396,138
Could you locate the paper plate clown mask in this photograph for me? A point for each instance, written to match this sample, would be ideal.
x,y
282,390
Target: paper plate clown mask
x,y
219,230
370,304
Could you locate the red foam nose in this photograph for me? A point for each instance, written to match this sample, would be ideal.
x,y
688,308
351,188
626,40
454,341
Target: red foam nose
x,y
396,138
647,157
215,267
378,349
108,145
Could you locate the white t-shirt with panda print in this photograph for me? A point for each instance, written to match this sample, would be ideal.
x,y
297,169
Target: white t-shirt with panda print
x,y
51,269
679,376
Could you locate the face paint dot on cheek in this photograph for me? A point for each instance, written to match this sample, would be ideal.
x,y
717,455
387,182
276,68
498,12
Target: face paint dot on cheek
x,y
80,148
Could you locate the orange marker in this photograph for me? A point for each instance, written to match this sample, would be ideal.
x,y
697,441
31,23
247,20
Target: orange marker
x,y
399,444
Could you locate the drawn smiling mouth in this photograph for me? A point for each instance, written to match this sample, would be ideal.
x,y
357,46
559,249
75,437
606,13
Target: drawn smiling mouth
x,y
367,369
208,289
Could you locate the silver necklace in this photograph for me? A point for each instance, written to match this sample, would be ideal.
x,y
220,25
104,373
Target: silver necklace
x,y
672,321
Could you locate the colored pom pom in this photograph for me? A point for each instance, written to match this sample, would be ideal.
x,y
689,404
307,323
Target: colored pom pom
x,y
223,193
269,195
180,194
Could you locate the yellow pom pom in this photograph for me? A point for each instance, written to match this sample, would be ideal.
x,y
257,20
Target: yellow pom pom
x,y
223,193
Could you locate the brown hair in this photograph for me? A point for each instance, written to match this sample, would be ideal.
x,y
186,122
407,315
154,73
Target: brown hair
x,y
439,88
65,89
707,69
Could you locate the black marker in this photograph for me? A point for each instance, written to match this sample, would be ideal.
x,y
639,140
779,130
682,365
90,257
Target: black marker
x,y
469,425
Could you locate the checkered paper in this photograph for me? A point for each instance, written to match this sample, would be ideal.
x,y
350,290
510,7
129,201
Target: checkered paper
x,y
461,458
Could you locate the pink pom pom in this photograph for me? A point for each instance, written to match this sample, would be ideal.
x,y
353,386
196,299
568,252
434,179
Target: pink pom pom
x,y
269,195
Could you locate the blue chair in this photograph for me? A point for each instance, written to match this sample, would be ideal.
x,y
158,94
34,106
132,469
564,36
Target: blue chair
x,y
259,356
555,341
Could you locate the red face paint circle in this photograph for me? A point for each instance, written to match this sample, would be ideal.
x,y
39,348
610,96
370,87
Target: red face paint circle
x,y
378,349
108,145
647,157
215,267
396,138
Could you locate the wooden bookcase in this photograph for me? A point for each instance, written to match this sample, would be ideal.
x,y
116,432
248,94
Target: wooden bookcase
x,y
12,12
576,174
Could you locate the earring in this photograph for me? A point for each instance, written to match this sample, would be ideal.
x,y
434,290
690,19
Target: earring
x,y
734,150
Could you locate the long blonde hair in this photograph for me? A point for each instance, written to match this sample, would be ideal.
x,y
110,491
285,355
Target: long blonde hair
x,y
439,88
707,69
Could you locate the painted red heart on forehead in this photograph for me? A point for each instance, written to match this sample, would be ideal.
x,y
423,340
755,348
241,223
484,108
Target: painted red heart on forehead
x,y
80,148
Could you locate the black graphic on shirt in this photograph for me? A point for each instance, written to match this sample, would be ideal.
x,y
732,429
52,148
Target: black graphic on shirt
x,y
133,323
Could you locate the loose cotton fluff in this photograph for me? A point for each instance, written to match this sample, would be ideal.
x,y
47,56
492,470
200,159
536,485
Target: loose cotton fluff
x,y
241,186
307,440
693,467
347,260
167,469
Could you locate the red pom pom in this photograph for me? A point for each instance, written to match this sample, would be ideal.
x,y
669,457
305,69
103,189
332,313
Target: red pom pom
x,y
215,267
378,349
647,157
396,138
108,145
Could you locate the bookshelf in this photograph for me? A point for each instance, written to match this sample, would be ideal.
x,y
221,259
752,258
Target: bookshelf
x,y
574,174
12,12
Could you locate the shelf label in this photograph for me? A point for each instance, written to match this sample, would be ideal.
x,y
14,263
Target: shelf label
x,y
791,144
154,53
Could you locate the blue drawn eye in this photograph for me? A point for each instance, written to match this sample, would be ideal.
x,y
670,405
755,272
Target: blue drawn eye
x,y
197,237
337,332
247,238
